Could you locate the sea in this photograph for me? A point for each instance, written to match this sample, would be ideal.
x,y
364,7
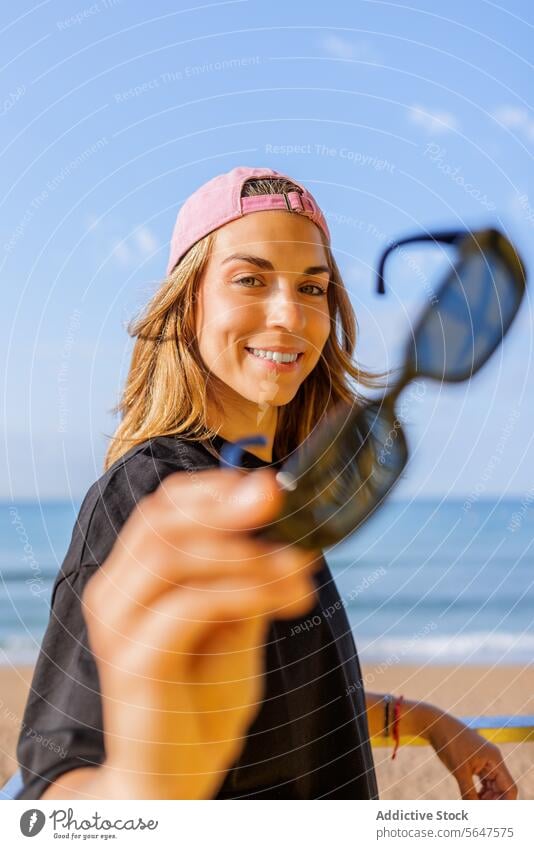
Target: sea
x,y
438,581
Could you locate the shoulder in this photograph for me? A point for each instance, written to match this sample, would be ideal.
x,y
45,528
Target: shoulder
x,y
141,470
111,499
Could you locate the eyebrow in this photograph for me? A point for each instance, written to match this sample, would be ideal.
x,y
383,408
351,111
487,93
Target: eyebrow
x,y
268,266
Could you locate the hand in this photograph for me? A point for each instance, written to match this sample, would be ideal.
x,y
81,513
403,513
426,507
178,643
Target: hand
x,y
466,754
177,617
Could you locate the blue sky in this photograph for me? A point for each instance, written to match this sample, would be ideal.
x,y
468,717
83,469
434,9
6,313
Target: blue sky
x,y
398,117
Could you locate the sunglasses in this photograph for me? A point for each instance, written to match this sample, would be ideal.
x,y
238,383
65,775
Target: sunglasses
x,y
347,466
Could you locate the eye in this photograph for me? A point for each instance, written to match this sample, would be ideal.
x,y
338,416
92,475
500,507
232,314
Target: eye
x,y
320,291
245,281
241,281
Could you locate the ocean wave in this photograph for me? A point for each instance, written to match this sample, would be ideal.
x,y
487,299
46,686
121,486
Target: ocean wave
x,y
474,648
19,649
475,603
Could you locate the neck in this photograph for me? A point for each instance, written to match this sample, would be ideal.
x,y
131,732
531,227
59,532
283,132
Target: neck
x,y
243,418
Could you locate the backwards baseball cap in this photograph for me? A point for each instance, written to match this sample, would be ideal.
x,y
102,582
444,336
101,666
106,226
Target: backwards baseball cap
x,y
219,201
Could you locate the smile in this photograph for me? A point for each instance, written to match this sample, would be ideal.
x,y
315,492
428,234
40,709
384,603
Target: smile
x,y
275,359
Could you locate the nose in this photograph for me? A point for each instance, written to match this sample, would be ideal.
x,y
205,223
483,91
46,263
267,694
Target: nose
x,y
285,310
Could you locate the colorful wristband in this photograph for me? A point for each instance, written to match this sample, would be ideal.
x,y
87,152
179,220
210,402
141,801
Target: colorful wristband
x,y
387,706
396,725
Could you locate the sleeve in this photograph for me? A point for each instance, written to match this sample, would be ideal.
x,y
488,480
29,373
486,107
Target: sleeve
x,y
62,723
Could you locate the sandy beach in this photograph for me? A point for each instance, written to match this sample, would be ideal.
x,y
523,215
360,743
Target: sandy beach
x,y
14,685
416,773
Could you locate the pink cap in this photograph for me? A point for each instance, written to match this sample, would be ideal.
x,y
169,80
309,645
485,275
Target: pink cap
x,y
219,201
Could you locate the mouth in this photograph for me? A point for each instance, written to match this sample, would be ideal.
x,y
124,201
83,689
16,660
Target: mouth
x,y
276,360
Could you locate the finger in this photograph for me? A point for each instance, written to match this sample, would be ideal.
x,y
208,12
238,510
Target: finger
x,y
164,639
140,577
232,663
151,521
226,602
487,790
502,781
214,500
120,592
182,617
505,784
466,785
217,694
284,597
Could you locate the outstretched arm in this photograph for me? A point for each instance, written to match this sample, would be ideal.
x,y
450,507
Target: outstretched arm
x,y
464,752
177,616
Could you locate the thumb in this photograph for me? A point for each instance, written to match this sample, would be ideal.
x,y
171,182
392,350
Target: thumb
x,y
255,499
257,485
224,499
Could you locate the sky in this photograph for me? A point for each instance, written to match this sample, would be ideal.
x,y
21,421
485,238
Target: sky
x,y
400,118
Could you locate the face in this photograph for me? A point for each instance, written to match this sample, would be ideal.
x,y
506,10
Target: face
x,y
264,290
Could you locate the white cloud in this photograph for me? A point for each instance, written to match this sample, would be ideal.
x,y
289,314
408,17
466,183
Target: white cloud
x,y
126,251
146,240
341,48
434,122
516,118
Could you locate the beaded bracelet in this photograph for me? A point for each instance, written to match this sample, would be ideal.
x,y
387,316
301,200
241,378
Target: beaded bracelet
x,y
396,724
387,702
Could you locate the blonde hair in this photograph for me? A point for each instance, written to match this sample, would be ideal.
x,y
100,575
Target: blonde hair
x,y
166,388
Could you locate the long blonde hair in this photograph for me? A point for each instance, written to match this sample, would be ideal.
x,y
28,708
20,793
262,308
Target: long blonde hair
x,y
166,388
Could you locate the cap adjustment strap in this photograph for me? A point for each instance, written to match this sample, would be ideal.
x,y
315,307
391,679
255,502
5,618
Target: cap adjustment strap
x,y
294,201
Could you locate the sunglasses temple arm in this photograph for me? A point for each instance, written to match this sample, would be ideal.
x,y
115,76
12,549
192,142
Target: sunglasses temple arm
x,y
447,237
232,452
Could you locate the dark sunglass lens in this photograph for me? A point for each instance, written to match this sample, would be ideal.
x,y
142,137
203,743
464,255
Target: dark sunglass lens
x,y
338,485
472,311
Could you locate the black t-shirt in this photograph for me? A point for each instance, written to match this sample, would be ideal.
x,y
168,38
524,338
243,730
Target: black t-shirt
x,y
309,739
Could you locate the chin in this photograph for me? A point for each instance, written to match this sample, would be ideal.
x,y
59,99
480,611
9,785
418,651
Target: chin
x,y
282,397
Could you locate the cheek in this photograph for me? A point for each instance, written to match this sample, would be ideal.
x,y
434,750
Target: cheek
x,y
218,332
321,331
210,322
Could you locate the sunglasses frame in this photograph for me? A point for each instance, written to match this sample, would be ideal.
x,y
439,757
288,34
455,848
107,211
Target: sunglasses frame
x,y
467,242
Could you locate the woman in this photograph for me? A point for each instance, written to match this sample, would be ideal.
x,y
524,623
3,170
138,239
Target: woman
x,y
173,666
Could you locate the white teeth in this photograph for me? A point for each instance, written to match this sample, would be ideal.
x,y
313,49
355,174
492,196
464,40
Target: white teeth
x,y
277,356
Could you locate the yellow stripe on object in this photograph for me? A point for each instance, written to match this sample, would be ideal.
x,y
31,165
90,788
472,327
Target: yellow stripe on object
x,y
498,729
